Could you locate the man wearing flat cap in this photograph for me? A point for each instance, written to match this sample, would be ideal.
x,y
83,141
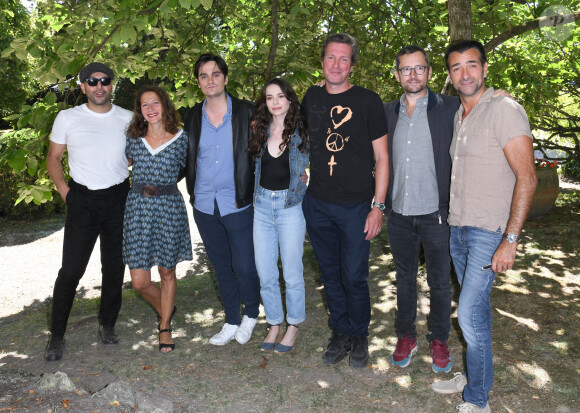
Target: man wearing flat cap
x,y
93,134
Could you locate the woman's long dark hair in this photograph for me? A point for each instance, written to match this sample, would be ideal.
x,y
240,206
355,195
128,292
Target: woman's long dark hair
x,y
171,119
263,117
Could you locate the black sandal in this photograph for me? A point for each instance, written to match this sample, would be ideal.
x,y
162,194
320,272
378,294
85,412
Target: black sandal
x,y
165,345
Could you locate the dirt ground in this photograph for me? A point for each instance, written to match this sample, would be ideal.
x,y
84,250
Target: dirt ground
x,y
535,332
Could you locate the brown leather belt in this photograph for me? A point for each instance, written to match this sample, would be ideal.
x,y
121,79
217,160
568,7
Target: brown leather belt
x,y
152,191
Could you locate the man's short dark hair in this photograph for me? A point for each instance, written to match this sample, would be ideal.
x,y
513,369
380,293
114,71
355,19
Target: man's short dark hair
x,y
344,38
209,57
463,46
410,49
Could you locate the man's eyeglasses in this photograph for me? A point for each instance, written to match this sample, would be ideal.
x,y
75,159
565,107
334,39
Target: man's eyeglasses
x,y
406,71
94,81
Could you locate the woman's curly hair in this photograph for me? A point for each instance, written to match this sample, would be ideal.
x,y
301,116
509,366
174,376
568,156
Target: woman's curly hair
x,y
171,119
262,119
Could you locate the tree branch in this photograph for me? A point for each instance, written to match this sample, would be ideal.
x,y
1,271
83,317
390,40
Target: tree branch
x,y
517,30
273,40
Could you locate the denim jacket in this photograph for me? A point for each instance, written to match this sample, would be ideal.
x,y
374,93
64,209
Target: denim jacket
x,y
298,163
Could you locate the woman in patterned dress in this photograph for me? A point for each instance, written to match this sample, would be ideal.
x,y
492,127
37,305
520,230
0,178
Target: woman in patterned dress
x,y
156,228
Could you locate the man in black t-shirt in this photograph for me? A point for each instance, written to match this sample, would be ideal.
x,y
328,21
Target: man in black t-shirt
x,y
348,135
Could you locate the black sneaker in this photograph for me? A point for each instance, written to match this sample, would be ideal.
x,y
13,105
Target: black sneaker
x,y
338,349
359,354
54,349
107,335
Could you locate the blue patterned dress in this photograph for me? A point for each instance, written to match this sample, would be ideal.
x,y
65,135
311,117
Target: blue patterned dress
x,y
156,229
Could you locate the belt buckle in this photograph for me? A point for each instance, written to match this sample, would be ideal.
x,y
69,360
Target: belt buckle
x,y
150,191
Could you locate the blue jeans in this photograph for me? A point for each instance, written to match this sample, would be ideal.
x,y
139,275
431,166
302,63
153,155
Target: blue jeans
x,y
336,233
275,225
405,234
229,246
471,249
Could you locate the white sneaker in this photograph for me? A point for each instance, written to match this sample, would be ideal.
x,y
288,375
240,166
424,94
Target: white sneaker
x,y
244,331
455,385
225,335
472,408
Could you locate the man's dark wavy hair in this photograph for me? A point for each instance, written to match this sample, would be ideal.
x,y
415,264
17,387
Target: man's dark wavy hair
x,y
171,119
262,118
463,46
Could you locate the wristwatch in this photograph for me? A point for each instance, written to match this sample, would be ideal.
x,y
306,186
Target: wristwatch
x,y
379,205
511,238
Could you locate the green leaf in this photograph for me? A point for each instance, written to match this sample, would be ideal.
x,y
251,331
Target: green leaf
x,y
207,4
50,98
17,159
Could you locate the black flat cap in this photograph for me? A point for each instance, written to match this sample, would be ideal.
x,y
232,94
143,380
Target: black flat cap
x,y
91,68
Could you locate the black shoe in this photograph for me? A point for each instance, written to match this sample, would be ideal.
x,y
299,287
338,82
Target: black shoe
x,y
338,349
359,354
54,349
107,335
165,345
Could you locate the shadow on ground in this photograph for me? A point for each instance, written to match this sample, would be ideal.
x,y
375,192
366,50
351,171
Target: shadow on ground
x,y
535,333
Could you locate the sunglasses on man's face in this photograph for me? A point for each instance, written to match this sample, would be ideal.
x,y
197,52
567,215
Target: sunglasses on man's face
x,y
94,81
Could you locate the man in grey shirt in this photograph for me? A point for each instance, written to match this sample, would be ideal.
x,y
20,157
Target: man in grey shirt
x,y
420,125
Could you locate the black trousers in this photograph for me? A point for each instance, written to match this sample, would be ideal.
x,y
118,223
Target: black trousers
x,y
91,214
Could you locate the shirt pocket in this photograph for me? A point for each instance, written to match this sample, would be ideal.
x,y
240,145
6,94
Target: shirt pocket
x,y
477,142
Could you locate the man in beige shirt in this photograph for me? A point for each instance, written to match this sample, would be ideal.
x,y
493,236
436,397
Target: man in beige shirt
x,y
493,181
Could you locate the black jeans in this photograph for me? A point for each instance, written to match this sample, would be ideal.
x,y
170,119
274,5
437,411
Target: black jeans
x,y
91,214
405,233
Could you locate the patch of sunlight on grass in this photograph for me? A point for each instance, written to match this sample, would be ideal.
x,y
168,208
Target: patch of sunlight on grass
x,y
544,295
540,377
384,283
323,384
377,343
513,289
384,259
203,318
386,304
12,354
140,345
528,322
560,345
381,364
561,332
404,381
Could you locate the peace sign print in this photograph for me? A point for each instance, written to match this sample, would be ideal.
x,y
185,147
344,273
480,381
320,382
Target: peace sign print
x,y
334,142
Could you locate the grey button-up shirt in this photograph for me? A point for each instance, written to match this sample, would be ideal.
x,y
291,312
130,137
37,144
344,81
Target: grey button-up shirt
x,y
414,181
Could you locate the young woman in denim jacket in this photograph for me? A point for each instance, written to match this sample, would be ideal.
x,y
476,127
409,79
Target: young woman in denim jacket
x,y
280,149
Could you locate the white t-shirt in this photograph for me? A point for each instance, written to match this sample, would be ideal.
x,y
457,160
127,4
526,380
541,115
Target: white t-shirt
x,y
95,143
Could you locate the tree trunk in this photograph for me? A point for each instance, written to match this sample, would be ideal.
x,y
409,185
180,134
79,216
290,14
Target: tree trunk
x,y
273,40
459,29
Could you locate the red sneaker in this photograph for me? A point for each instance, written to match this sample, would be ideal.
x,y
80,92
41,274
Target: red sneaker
x,y
406,348
440,356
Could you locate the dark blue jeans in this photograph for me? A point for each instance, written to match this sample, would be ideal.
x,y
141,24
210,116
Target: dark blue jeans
x,y
336,233
91,214
229,245
405,234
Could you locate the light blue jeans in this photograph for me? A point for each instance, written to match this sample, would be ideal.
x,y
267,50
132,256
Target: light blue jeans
x,y
278,227
472,248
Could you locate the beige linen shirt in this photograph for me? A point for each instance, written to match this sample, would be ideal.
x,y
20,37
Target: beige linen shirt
x,y
482,181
